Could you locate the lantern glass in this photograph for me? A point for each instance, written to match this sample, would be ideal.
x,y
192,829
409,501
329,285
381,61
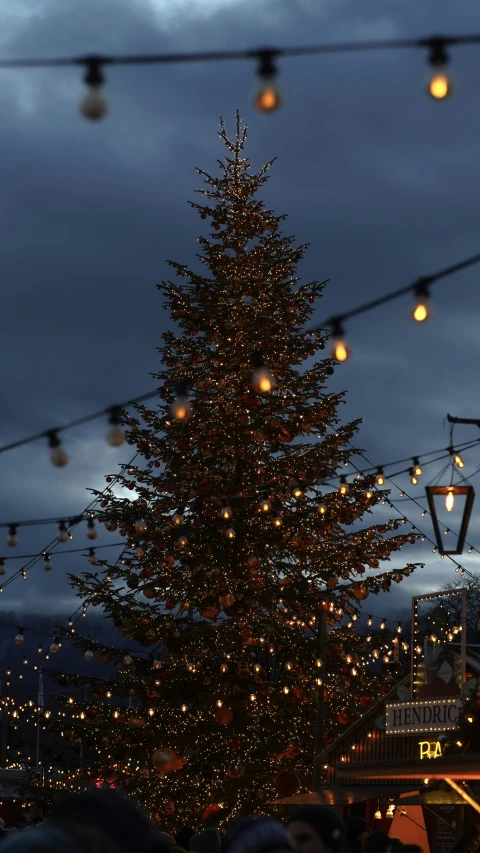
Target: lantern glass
x,y
450,508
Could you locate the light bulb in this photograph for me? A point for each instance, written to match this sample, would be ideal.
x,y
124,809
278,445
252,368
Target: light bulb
x,y
286,689
252,697
377,815
182,541
417,469
177,518
225,512
340,349
449,501
321,509
19,638
319,663
382,625
54,648
440,84
47,563
268,97
181,409
93,559
115,435
89,654
58,456
421,310
140,525
62,534
369,621
128,660
380,477
230,533
224,668
265,505
413,477
278,521
369,494
343,488
458,460
219,703
12,539
263,380
3,570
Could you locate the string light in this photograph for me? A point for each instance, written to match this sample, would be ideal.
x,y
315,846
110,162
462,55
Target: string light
x,y
181,408
421,310
417,469
12,539
115,435
456,458
340,349
62,535
58,455
268,97
262,380
343,488
439,84
94,104
380,477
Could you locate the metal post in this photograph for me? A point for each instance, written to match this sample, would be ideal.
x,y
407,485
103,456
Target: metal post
x,y
320,719
5,722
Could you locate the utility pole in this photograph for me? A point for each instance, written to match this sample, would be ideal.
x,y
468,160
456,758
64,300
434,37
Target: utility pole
x,y
320,718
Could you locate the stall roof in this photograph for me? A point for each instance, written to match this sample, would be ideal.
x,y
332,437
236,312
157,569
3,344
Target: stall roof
x,y
338,796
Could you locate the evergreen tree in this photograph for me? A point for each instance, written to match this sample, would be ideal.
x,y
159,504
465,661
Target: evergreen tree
x,y
236,542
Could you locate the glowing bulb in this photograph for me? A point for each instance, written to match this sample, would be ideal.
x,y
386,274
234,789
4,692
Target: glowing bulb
x,y
58,456
377,815
257,668
417,469
219,703
268,98
225,512
177,518
319,663
343,488
413,477
263,380
224,668
440,86
380,477
458,460
265,505
321,509
286,689
252,697
230,533
181,409
368,494
278,521
184,708
47,563
340,350
449,501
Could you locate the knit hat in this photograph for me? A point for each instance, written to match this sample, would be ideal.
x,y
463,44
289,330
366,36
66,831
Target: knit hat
x,y
324,821
207,841
257,835
355,825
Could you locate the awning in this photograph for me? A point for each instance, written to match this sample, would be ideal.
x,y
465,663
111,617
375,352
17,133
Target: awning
x,y
456,767
338,796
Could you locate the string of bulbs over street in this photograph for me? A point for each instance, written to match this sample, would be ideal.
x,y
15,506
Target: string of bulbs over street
x,y
267,96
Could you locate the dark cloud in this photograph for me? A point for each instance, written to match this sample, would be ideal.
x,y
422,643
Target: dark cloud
x,y
380,181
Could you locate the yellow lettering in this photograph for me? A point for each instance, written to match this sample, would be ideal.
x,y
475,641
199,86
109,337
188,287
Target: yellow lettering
x,y
424,749
429,749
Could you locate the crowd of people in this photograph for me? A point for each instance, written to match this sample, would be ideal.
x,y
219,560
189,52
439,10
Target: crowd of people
x,y
105,821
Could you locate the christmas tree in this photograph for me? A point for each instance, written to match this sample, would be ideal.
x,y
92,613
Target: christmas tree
x,y
236,542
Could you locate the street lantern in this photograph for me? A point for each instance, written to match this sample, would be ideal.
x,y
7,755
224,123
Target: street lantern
x,y
450,493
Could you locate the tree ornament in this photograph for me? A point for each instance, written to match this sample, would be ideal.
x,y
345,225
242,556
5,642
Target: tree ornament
x,y
223,715
287,783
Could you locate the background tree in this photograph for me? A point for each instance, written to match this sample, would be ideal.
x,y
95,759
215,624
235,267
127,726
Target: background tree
x,y
235,539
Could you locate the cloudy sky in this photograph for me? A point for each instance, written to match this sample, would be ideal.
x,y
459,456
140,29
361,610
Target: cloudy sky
x,y
382,182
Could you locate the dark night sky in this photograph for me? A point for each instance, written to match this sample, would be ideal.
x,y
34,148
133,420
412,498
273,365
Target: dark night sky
x,y
383,184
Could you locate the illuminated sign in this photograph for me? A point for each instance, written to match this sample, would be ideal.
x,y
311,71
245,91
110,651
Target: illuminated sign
x,y
430,749
431,715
